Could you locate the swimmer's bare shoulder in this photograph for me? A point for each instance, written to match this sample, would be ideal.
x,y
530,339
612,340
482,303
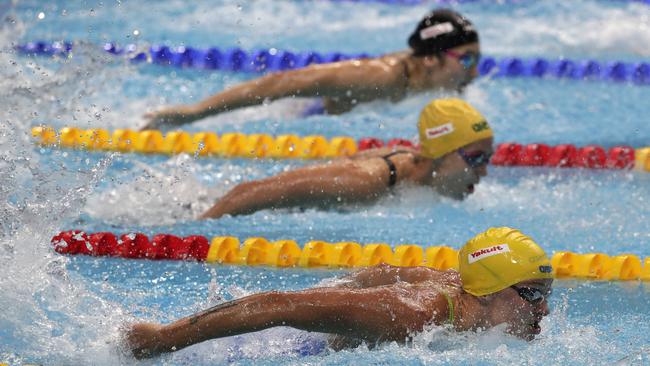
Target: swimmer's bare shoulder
x,y
448,278
385,274
427,305
379,152
386,71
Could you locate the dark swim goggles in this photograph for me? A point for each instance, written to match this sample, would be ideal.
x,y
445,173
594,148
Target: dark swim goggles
x,y
475,159
532,295
467,59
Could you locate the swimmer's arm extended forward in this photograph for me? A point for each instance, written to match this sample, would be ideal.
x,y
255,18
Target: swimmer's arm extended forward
x,y
318,185
328,80
371,314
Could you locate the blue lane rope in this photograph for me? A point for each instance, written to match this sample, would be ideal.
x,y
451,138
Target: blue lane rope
x,y
265,60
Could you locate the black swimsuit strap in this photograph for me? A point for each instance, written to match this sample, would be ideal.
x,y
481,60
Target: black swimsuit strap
x,y
392,169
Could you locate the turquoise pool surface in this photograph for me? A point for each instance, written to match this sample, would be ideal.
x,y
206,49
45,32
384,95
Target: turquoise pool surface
x,y
68,310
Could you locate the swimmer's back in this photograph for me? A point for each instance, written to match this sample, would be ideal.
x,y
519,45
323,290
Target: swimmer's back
x,y
382,151
382,77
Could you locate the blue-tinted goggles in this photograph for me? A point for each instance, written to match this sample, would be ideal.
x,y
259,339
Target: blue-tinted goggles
x,y
467,59
475,159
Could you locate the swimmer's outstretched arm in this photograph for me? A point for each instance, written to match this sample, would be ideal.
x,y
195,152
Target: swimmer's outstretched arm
x,y
371,314
357,77
314,185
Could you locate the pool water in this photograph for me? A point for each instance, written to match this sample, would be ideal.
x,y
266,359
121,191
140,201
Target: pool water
x,y
68,310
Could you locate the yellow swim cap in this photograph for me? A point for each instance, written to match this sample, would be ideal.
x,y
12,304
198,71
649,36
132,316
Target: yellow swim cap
x,y
448,124
500,258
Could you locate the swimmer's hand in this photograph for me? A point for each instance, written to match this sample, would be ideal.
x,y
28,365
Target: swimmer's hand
x,y
168,118
144,340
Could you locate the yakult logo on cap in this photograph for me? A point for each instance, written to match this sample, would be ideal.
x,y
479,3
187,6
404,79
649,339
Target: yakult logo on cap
x,y
439,131
436,30
487,252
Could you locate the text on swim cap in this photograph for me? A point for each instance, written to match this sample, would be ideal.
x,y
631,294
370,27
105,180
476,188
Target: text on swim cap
x,y
439,131
480,126
537,258
487,252
436,30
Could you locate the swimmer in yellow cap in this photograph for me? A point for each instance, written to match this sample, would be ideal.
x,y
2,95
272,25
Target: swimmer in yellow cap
x,y
504,278
443,53
455,148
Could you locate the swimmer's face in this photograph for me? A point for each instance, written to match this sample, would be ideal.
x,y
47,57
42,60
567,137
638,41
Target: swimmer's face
x,y
456,176
458,68
523,312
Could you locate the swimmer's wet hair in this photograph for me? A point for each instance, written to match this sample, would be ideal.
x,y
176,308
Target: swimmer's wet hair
x,y
441,30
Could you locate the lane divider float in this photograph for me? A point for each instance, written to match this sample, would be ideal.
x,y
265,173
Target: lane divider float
x,y
570,156
316,147
201,144
258,251
272,59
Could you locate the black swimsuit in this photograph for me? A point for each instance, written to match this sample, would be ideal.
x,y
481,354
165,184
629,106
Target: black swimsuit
x,y
392,169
